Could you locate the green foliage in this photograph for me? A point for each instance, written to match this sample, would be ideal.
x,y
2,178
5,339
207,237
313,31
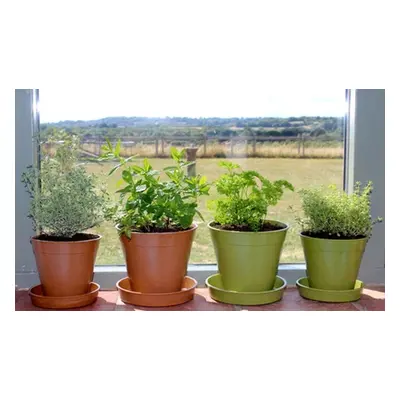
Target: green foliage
x,y
332,212
245,197
148,204
118,127
65,199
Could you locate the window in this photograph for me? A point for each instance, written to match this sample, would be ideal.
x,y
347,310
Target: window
x,y
285,134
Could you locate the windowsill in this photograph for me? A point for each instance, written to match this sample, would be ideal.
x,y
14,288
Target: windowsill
x,y
372,299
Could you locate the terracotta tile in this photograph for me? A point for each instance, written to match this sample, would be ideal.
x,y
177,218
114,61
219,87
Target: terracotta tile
x,y
121,306
292,301
371,300
376,288
23,302
109,295
20,294
106,301
201,302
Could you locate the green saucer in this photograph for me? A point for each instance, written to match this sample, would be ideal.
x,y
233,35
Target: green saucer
x,y
218,293
329,296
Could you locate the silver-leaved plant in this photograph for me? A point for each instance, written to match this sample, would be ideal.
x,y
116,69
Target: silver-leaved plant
x,y
65,198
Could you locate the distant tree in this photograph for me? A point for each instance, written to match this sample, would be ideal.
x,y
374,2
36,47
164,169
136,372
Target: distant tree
x,y
248,131
273,133
330,125
291,131
318,131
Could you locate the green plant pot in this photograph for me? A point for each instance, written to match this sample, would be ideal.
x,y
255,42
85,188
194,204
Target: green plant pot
x,y
329,296
332,264
219,293
248,261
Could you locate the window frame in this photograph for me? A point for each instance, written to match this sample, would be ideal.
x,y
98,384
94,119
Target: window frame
x,y
365,115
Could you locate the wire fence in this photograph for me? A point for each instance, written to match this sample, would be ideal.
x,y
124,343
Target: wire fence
x,y
301,146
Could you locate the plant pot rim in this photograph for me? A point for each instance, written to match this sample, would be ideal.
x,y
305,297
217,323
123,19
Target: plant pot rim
x,y
98,237
194,227
285,228
332,240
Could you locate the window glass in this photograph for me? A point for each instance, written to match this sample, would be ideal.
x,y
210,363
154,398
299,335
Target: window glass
x,y
293,135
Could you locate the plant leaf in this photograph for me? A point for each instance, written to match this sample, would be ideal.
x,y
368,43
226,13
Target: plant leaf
x,y
141,188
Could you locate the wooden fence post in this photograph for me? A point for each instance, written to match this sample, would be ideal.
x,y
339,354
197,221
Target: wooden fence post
x,y
254,144
162,145
191,156
303,142
157,146
298,143
205,144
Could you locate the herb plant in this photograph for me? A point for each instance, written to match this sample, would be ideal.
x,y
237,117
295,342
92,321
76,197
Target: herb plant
x,y
332,213
65,199
148,204
244,198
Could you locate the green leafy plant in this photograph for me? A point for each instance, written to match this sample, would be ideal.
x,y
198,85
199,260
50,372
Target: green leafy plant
x,y
65,199
149,204
245,198
332,213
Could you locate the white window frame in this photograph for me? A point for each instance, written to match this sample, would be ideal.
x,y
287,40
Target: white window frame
x,y
364,160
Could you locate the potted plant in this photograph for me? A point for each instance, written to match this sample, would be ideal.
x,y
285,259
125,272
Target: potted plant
x,y
247,244
65,202
155,220
334,233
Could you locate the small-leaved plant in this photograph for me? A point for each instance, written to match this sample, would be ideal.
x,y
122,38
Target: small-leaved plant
x,y
65,199
332,213
245,197
148,204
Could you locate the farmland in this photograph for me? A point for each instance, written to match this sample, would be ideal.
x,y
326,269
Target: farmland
x,y
301,173
306,151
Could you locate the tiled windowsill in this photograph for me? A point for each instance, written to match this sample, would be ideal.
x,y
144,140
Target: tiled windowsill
x,y
373,299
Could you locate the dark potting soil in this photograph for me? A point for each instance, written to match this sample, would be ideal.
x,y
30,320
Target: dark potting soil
x,y
266,227
324,235
79,237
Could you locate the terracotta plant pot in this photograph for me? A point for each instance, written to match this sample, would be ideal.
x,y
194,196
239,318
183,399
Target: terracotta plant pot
x,y
65,268
248,261
157,262
332,264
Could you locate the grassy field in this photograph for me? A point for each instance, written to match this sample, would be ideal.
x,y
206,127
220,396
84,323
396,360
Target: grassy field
x,y
312,149
302,173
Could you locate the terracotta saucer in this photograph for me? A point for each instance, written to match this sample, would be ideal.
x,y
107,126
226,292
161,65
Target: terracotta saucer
x,y
39,300
156,299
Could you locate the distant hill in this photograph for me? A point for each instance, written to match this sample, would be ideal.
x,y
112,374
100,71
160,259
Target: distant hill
x,y
115,122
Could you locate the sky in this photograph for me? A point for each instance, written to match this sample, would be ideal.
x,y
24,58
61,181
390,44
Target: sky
x,y
186,99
